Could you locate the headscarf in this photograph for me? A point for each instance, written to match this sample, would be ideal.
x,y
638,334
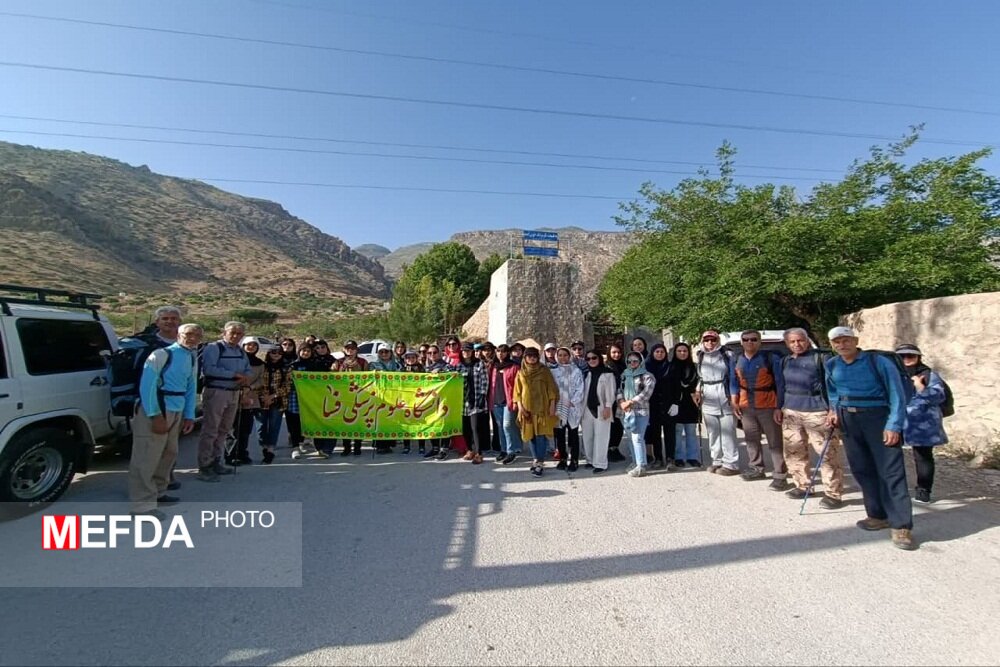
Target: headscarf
x,y
569,379
616,366
683,372
538,390
658,368
595,374
630,375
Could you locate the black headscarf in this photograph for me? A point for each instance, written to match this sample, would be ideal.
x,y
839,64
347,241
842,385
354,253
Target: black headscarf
x,y
685,371
658,368
616,366
595,374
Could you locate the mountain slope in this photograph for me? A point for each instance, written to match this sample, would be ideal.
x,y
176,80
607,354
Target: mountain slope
x,y
80,221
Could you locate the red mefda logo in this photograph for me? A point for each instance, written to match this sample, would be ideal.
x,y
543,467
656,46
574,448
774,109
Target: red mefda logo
x,y
110,531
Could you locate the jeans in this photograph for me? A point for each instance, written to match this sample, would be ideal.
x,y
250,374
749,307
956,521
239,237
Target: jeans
x,y
923,459
638,440
687,442
539,445
499,439
878,470
512,431
270,426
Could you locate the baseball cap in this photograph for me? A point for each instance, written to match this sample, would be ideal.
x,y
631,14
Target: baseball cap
x,y
577,343
477,346
411,353
909,348
468,346
550,346
350,343
841,332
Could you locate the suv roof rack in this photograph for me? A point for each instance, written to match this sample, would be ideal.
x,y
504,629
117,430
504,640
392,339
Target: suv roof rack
x,y
41,298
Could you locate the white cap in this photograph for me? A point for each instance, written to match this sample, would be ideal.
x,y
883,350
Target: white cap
x,y
841,332
549,346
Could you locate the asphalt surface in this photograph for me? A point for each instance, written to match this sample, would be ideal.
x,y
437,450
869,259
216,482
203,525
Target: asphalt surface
x,y
417,562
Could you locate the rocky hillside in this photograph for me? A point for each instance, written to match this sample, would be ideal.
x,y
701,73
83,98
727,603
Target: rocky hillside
x,y
593,252
80,221
372,250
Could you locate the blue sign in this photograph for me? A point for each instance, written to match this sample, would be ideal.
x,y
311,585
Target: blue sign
x,y
529,235
540,252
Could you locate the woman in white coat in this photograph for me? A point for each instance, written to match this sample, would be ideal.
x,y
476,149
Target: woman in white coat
x,y
598,412
569,379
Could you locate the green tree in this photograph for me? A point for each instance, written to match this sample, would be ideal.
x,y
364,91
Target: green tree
x,y
453,262
714,253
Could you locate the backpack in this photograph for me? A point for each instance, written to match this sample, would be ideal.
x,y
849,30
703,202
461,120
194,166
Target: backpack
x,y
820,357
948,407
768,356
125,371
728,357
897,361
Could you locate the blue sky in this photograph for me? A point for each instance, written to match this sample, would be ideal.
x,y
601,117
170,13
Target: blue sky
x,y
924,54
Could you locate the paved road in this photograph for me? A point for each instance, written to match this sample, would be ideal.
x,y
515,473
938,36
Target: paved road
x,y
416,562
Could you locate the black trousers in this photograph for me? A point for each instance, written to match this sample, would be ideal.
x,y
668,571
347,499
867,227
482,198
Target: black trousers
x,y
923,459
615,439
878,470
564,433
294,422
476,431
244,427
662,437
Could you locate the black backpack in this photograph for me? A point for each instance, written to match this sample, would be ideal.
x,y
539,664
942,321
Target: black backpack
x,y
820,357
948,407
125,371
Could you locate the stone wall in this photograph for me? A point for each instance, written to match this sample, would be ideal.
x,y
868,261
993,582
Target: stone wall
x,y
960,337
534,299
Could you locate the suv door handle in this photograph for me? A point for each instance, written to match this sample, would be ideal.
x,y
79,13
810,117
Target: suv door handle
x,y
98,381
4,395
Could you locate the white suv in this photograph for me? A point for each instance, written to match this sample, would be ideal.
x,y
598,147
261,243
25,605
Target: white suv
x,y
55,403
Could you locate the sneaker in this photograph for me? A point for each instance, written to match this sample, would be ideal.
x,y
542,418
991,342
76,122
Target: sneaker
x,y
477,459
536,470
713,468
469,455
727,472
268,456
598,471
173,486
753,475
156,514
829,503
922,496
206,475
510,458
167,500
406,450
638,471
588,465
796,493
442,455
431,453
871,524
500,457
573,466
422,450
694,463
321,454
220,469
902,538
296,453
657,464
778,484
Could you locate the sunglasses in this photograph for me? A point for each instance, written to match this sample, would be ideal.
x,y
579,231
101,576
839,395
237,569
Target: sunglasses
x,y
709,338
750,340
635,361
274,351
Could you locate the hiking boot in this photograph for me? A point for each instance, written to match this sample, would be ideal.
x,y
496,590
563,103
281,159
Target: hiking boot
x,y
173,486
872,524
727,472
638,471
220,469
434,451
753,475
167,500
902,538
510,458
679,463
922,496
778,484
573,466
268,456
829,503
796,493
694,463
469,455
561,465
713,468
206,475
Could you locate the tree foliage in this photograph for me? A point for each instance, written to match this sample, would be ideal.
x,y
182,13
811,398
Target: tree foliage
x,y
719,254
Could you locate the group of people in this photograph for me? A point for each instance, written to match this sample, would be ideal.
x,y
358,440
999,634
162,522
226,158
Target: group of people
x,y
558,398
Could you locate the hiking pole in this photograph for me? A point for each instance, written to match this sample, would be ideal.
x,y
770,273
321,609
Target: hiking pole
x,y
812,478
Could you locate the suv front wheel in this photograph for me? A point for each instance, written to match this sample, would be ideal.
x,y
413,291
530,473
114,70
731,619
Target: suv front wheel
x,y
37,466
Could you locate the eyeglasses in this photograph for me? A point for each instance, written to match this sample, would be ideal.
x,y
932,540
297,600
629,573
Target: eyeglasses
x,y
433,352
593,358
750,340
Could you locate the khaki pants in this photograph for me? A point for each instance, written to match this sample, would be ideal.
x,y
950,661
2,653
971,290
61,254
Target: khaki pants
x,y
219,407
153,456
755,423
804,435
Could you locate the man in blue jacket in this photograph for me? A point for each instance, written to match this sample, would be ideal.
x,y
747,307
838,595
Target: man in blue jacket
x,y
868,403
167,393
